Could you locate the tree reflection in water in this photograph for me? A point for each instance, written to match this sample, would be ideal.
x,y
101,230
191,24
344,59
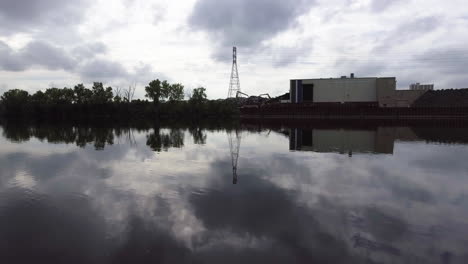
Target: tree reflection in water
x,y
159,140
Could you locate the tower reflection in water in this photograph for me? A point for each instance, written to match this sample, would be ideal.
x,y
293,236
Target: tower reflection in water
x,y
234,138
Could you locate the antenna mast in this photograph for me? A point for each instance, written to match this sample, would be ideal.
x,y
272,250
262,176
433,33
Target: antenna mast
x,y
234,84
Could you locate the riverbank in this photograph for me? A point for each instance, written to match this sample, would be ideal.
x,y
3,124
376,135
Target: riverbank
x,y
352,112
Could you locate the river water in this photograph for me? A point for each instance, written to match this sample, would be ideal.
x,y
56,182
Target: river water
x,y
254,194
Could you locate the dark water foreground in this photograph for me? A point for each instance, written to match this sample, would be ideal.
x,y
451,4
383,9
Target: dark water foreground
x,y
304,193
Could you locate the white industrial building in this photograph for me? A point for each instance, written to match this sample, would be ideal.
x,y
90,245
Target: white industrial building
x,y
381,91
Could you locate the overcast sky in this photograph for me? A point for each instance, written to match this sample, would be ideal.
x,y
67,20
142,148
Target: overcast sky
x,y
45,43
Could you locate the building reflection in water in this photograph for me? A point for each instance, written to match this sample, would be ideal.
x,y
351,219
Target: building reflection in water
x,y
378,140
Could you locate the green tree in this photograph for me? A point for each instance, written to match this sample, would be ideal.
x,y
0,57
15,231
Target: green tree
x,y
15,102
159,91
198,96
154,91
101,95
59,96
38,97
176,92
165,90
117,99
82,94
15,97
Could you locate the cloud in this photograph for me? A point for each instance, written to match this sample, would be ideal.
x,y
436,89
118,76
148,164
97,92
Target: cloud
x,y
83,59
408,31
382,5
8,59
45,55
30,15
144,73
89,50
445,60
361,68
245,23
113,71
35,53
102,69
160,12
283,56
51,57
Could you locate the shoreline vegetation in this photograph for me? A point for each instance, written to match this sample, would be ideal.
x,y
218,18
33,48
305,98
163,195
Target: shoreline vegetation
x,y
162,100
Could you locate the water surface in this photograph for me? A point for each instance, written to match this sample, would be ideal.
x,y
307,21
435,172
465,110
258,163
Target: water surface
x,y
310,194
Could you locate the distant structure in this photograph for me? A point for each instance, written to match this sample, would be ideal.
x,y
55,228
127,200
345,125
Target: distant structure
x,y
234,84
424,87
379,91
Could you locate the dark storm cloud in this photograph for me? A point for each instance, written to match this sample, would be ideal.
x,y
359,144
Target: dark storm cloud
x,y
407,32
382,5
29,15
246,23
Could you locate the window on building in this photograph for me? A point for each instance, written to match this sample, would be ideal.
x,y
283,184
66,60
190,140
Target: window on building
x,y
308,92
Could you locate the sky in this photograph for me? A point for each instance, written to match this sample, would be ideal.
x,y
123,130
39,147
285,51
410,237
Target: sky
x,y
56,43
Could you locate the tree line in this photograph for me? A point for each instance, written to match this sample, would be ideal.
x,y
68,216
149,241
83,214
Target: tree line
x,y
80,102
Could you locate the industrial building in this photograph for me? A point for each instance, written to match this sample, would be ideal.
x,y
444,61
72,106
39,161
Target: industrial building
x,y
381,91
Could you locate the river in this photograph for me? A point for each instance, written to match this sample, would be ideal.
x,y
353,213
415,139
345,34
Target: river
x,y
249,194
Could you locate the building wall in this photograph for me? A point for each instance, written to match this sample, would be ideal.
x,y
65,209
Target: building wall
x,y
401,98
385,90
388,96
343,90
295,91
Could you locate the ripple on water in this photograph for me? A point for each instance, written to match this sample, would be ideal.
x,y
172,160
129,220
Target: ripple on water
x,y
22,179
202,191
16,197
